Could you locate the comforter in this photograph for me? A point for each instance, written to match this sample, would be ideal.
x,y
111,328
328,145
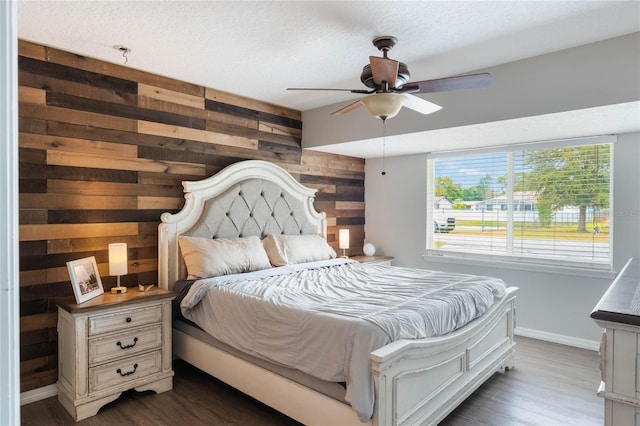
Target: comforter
x,y
325,318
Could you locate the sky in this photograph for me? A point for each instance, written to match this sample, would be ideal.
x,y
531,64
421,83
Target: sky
x,y
468,170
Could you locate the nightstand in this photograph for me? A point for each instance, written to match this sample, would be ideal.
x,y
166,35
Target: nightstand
x,y
110,344
376,260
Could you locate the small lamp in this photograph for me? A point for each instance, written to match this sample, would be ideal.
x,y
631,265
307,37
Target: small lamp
x,y
343,237
118,264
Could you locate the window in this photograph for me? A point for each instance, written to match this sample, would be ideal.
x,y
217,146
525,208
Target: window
x,y
542,203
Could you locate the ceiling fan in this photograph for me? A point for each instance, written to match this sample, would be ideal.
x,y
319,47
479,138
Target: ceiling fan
x,y
389,88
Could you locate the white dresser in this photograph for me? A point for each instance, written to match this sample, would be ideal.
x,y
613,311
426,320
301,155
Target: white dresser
x,y
110,344
618,312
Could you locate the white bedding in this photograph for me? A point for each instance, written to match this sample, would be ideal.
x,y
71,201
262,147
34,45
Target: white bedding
x,y
325,318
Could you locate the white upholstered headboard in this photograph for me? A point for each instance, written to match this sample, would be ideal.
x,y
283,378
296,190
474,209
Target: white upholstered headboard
x,y
248,198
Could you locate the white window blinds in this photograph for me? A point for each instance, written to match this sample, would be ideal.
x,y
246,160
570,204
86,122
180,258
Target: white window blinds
x,y
547,202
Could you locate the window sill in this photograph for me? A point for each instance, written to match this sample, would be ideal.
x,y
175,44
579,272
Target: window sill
x,y
519,265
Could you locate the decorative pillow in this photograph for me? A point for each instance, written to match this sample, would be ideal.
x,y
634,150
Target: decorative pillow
x,y
291,249
205,257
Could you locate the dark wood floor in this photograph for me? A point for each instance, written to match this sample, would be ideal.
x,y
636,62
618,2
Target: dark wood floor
x,y
550,385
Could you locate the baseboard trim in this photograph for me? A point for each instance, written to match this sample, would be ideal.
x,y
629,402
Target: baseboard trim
x,y
557,338
38,394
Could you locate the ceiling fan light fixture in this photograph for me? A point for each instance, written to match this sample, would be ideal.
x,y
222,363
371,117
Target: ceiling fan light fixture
x,y
384,105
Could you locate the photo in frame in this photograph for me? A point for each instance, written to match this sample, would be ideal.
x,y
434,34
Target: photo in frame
x,y
85,279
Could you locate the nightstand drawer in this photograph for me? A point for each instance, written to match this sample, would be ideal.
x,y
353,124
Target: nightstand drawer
x,y
125,319
124,343
126,370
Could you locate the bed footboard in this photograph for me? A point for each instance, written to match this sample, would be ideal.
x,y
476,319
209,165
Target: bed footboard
x,y
422,381
418,382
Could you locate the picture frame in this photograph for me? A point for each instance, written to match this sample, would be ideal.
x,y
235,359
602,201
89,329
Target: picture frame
x,y
85,279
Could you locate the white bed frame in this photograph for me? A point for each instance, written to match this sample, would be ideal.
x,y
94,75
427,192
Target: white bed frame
x,y
416,381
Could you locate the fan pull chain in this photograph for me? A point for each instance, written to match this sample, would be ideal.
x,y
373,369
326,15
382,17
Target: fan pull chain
x,y
384,137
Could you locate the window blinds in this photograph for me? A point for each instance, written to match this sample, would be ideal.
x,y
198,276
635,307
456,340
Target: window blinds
x,y
542,202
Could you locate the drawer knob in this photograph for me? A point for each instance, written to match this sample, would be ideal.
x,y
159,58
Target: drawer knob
x,y
135,340
119,371
128,319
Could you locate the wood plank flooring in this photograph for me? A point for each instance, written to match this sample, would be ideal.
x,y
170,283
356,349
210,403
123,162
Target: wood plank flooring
x,y
550,385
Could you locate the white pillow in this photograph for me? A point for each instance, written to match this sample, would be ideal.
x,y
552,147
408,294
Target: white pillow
x,y
206,257
291,249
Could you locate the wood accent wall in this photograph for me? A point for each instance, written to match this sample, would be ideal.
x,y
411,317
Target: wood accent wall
x,y
103,151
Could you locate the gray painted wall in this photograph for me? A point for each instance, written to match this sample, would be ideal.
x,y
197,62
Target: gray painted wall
x,y
596,74
552,303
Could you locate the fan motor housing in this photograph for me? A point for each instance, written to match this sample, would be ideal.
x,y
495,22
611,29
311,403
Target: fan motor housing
x,y
367,76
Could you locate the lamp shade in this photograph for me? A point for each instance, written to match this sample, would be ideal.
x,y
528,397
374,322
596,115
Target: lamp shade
x,y
343,238
384,105
118,259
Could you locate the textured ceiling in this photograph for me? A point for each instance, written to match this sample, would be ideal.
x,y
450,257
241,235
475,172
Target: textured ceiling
x,y
258,49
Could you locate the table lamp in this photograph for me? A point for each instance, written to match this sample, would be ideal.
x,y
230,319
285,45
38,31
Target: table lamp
x,y
118,264
343,237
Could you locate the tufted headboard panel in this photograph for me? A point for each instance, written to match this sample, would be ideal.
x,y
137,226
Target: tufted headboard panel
x,y
253,207
247,198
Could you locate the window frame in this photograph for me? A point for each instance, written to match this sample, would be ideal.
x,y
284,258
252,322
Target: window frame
x,y
515,261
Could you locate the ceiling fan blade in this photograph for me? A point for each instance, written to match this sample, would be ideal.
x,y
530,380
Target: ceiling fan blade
x,y
384,69
471,81
420,105
348,108
338,90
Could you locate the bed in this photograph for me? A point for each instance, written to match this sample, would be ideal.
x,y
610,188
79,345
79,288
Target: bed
x,y
412,380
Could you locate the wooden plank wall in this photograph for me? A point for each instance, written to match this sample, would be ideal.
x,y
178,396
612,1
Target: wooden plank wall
x,y
103,151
